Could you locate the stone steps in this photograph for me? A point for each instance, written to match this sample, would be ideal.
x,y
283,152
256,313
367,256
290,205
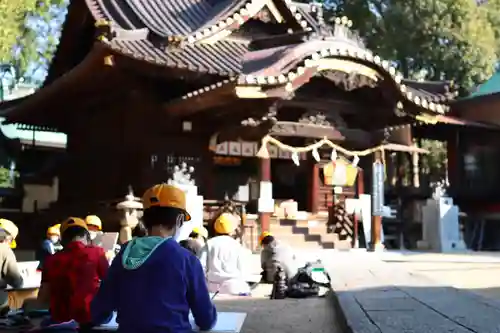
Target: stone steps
x,y
300,234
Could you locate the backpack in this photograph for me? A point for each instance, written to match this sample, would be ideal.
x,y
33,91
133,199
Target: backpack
x,y
308,280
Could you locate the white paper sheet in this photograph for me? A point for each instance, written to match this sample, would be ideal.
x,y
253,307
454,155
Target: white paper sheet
x,y
31,277
108,241
227,322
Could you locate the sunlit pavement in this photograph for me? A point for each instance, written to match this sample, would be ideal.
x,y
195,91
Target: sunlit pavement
x,y
394,292
477,272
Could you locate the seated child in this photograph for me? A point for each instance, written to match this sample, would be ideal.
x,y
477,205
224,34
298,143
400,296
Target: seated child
x,y
154,283
191,245
139,230
274,254
224,259
9,274
197,239
71,277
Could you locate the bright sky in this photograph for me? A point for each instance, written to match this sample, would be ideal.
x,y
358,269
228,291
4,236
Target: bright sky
x,y
12,132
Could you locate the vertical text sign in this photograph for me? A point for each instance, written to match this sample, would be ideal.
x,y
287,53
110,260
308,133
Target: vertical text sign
x,y
378,189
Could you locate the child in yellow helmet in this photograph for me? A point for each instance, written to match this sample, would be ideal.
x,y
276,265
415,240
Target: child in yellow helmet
x,y
225,259
9,273
94,225
197,240
50,245
274,254
153,284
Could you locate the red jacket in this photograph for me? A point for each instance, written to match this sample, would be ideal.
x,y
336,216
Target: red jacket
x,y
74,276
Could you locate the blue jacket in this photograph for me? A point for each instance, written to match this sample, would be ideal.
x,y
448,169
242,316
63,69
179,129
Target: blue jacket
x,y
153,283
47,249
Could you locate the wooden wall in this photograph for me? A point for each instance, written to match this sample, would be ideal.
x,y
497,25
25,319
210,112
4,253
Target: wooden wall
x,y
128,141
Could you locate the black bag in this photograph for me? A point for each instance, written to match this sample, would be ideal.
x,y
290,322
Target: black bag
x,y
305,283
302,290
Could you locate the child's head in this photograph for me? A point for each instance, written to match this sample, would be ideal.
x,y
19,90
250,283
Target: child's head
x,y
225,224
74,229
266,239
199,233
162,221
164,210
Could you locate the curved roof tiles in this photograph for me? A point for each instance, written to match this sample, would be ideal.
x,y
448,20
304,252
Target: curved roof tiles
x,y
188,27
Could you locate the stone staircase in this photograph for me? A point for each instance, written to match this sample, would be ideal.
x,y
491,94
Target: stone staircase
x,y
300,234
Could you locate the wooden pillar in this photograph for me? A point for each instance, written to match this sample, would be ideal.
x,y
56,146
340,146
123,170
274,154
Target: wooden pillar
x,y
314,188
265,176
360,184
376,225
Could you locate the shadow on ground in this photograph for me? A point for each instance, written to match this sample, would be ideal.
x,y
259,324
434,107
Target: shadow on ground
x,y
284,316
429,309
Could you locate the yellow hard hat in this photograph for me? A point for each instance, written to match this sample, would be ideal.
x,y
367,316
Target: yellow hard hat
x,y
203,232
11,229
264,235
94,220
54,230
164,195
71,222
226,223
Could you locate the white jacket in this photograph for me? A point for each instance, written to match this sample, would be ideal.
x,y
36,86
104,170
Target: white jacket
x,y
224,260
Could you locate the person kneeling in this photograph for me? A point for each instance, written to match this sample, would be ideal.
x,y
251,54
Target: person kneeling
x,y
71,277
153,283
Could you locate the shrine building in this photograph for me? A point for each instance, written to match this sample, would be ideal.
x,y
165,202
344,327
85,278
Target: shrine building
x,y
140,87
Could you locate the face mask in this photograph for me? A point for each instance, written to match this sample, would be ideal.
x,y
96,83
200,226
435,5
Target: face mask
x,y
54,239
93,234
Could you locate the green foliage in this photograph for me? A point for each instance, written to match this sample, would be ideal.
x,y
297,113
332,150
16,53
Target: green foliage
x,y
434,164
6,179
12,14
27,38
491,9
430,39
39,37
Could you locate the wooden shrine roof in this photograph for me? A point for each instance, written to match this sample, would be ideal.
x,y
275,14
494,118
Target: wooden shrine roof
x,y
221,59
199,29
200,36
279,71
192,20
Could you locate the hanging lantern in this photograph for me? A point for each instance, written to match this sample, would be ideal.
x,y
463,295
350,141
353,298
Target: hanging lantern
x,y
295,158
351,174
315,155
328,171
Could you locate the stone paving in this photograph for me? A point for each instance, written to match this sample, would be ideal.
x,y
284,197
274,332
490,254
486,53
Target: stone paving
x,y
315,315
376,296
476,272
284,316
